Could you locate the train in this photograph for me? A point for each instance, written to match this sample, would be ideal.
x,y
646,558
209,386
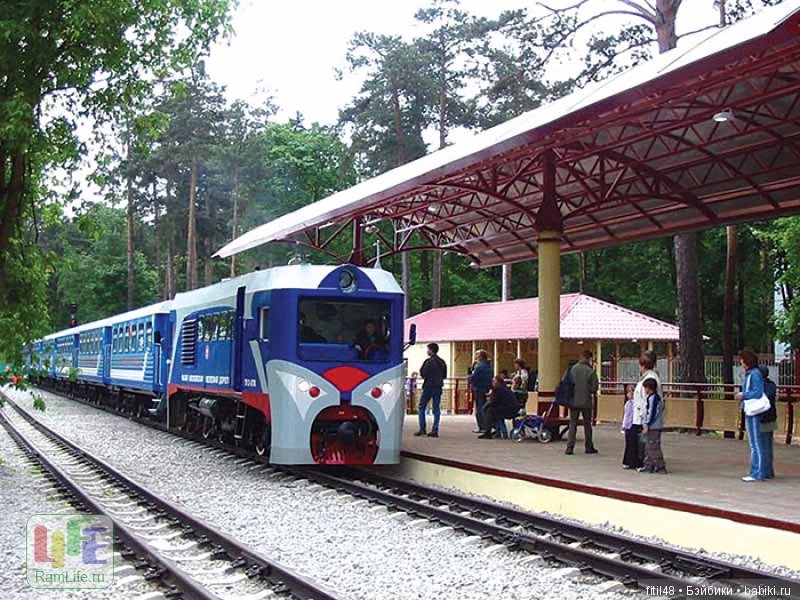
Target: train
x,y
302,363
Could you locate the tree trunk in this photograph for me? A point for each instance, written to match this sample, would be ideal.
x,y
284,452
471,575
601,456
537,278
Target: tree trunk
x,y
171,277
687,278
12,187
436,296
209,262
131,255
582,277
158,234
235,223
425,274
397,111
689,309
506,286
729,307
406,282
191,250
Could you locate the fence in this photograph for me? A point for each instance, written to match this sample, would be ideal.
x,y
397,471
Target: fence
x,y
703,407
693,406
456,396
783,372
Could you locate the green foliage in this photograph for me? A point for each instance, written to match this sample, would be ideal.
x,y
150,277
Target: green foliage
x,y
782,239
23,305
92,267
39,403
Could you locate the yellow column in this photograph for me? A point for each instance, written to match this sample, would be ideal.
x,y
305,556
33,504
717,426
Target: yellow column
x,y
549,357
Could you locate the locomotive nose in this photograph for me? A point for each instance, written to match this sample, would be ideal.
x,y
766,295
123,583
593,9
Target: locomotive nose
x,y
347,432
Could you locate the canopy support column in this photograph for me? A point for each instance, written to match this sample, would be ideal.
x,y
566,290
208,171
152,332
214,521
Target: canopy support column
x,y
549,358
549,226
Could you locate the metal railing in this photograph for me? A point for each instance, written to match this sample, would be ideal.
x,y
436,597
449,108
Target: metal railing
x,y
704,407
701,407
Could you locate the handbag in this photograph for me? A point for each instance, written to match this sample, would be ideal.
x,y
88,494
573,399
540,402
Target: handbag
x,y
755,406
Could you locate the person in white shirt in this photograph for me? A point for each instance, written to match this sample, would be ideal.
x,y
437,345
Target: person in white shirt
x,y
647,370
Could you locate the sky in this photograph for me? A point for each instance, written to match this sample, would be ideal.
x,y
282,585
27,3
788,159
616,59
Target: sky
x,y
293,48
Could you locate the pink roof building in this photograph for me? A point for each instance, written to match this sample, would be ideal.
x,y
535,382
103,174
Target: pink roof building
x,y
511,329
582,318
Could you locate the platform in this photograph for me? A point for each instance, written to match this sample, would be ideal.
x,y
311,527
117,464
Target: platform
x,y
702,502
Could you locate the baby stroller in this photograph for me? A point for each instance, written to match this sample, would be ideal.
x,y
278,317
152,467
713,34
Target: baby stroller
x,y
533,427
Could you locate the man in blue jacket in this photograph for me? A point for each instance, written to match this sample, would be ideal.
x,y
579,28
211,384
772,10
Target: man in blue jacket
x,y
480,379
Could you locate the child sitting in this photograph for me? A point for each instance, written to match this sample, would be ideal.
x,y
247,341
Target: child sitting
x,y
654,423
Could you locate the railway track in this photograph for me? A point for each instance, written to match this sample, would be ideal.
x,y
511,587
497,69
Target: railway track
x,y
582,551
187,557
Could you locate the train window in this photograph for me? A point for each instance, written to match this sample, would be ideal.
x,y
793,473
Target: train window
x,y
352,329
148,334
265,323
201,329
132,338
140,337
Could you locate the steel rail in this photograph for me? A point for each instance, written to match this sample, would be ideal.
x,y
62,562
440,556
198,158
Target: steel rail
x,y
283,580
507,518
504,525
666,557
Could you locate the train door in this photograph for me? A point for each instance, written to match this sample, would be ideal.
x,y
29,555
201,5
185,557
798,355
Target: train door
x,y
107,341
238,340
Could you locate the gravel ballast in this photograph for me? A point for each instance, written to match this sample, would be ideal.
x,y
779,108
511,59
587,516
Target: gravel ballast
x,y
358,551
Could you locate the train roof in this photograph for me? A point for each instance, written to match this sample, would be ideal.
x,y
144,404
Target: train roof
x,y
144,311
302,276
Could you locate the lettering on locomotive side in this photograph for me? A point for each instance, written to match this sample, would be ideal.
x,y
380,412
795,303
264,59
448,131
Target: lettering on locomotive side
x,y
191,378
218,379
249,383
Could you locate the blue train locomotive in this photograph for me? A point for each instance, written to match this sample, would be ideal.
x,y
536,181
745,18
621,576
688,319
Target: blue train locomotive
x,y
302,361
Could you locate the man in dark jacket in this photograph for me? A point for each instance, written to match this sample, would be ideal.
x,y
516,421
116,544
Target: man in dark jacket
x,y
502,405
769,423
434,372
585,379
480,379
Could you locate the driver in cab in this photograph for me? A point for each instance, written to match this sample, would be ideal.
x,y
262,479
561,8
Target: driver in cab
x,y
369,339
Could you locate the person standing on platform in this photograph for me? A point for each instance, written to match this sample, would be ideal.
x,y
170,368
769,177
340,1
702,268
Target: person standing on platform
x,y
647,370
769,423
653,424
631,459
585,379
480,380
434,372
522,371
752,387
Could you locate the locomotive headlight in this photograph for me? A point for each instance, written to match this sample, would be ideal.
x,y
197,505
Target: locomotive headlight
x,y
347,281
387,388
303,385
376,392
314,391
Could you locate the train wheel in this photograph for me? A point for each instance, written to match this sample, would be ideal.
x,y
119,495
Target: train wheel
x,y
208,429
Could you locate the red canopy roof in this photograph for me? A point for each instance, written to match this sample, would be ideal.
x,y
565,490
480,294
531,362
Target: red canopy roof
x,y
700,136
582,318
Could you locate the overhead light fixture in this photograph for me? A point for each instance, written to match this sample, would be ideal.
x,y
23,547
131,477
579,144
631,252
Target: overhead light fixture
x,y
723,116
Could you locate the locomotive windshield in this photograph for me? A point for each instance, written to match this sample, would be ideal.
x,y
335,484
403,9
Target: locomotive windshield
x,y
343,330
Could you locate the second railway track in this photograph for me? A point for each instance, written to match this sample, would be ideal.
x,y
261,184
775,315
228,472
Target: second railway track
x,y
192,559
585,551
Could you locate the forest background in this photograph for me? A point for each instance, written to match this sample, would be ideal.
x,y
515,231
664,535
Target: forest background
x,y
183,169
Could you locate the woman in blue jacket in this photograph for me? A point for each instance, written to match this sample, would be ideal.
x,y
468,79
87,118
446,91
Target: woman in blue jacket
x,y
753,387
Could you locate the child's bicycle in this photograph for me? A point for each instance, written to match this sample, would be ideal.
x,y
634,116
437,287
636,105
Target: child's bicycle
x,y
530,427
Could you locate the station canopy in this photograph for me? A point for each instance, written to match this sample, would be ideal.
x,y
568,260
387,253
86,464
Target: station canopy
x,y
704,135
